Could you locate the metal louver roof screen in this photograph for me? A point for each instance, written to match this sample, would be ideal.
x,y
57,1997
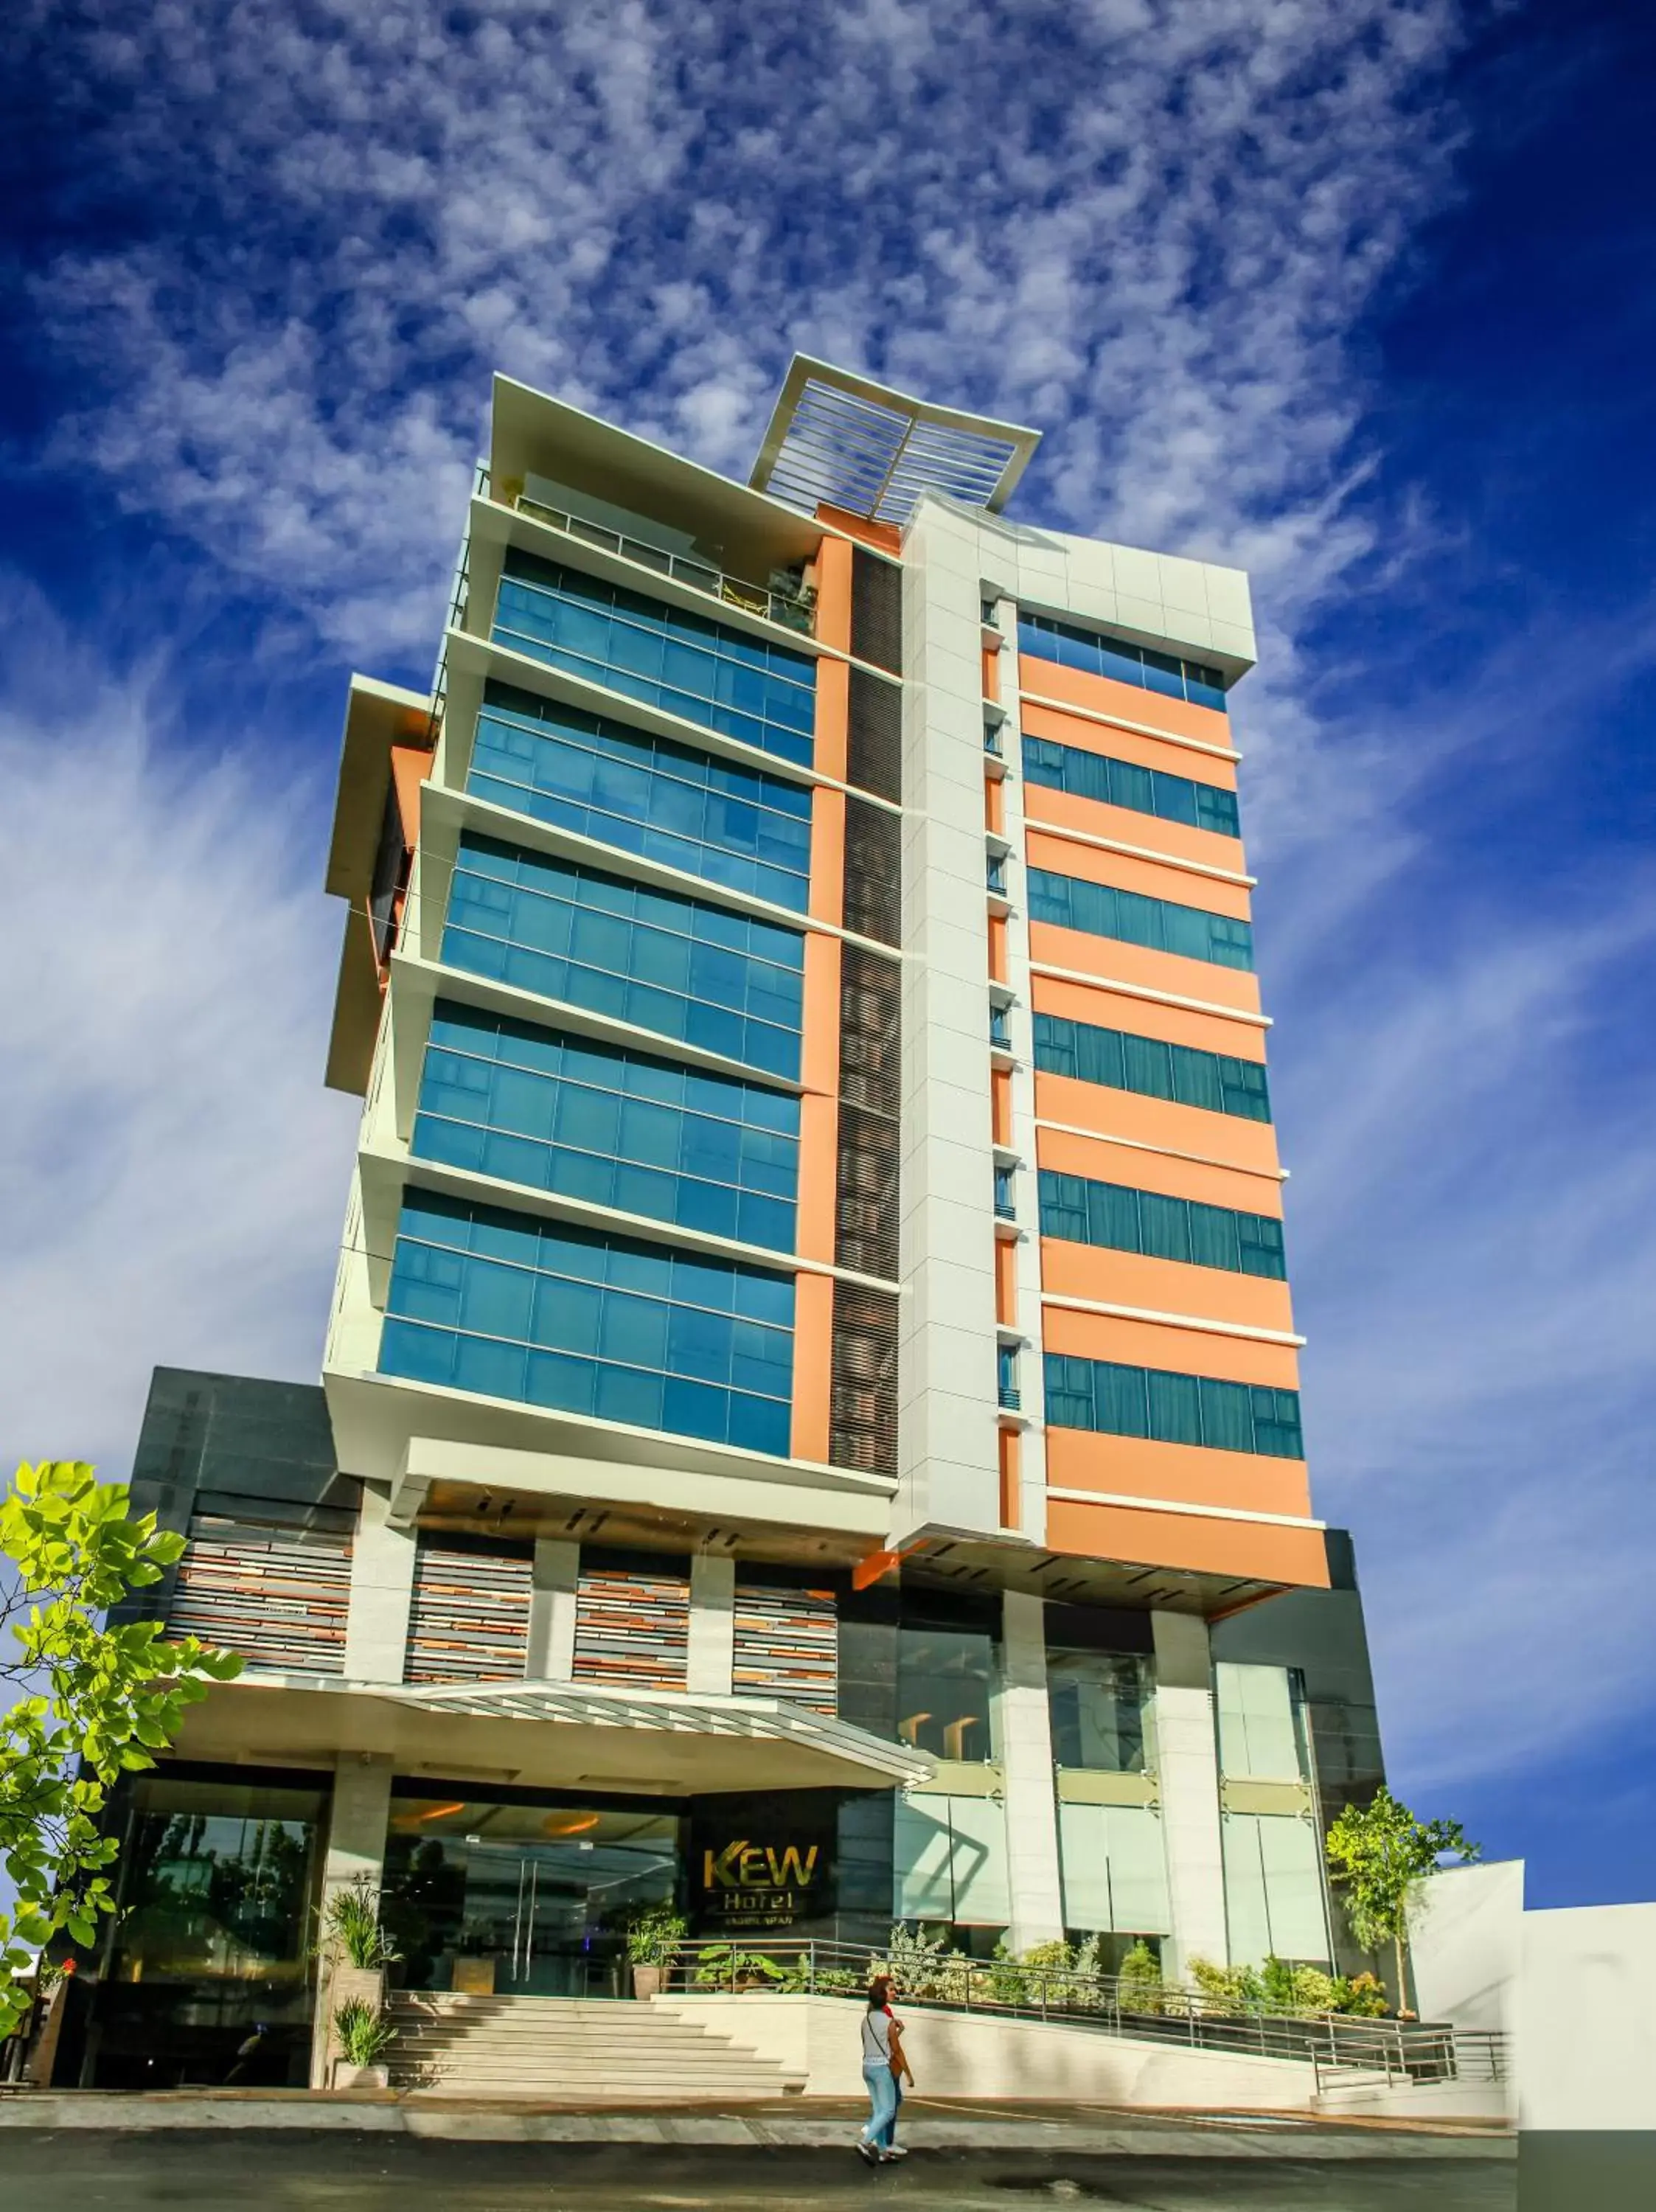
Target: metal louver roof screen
x,y
854,453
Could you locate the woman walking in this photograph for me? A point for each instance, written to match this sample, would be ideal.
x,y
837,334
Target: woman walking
x,y
874,2144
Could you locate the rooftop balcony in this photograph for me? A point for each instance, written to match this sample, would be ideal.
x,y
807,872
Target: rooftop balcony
x,y
786,598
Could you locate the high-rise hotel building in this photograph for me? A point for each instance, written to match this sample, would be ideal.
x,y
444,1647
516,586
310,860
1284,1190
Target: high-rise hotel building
x,y
809,1420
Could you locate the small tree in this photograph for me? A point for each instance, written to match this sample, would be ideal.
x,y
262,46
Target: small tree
x,y
92,1702
1378,1857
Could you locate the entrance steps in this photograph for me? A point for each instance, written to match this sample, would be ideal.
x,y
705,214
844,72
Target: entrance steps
x,y
593,2050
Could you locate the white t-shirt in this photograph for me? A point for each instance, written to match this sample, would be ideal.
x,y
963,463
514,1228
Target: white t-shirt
x,y
876,2038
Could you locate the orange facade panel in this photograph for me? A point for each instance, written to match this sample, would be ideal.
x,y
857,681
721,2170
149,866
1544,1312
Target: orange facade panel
x,y
1102,694
994,805
1006,1281
813,1364
1249,1551
1123,873
1000,954
1093,818
1010,1443
991,672
1124,1114
1101,1161
1128,745
1129,1278
1000,1105
1164,1345
1188,1475
1110,959
832,616
1139,1017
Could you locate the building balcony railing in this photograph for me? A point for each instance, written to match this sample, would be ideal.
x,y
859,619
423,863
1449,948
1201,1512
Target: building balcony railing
x,y
792,605
1010,1398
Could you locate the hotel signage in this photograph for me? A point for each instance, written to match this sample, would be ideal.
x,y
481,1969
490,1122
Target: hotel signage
x,y
761,1871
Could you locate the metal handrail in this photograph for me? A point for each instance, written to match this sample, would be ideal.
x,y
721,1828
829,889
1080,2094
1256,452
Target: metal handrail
x,y
1335,2043
792,610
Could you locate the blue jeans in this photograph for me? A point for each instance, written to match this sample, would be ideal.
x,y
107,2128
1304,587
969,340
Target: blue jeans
x,y
882,2096
890,2137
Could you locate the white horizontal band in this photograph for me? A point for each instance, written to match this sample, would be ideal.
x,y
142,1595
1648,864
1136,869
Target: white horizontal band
x,y
1033,822
1173,1320
1120,722
1165,1151
1144,991
1168,1505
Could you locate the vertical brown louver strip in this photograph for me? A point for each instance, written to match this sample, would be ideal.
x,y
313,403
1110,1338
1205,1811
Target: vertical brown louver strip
x,y
863,1401
876,610
874,741
873,902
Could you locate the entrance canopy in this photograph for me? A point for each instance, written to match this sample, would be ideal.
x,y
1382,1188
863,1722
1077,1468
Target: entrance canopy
x,y
549,1735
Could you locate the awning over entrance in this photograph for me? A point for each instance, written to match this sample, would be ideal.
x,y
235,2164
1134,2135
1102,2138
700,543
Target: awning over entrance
x,y
551,1735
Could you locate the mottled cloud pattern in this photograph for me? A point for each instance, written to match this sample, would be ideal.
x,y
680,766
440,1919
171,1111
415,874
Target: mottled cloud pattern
x,y
1157,229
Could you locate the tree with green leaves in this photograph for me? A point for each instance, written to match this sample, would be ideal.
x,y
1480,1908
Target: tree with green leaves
x,y
88,1702
1378,1857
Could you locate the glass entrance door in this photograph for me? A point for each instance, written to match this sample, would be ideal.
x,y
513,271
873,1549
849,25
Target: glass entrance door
x,y
524,1900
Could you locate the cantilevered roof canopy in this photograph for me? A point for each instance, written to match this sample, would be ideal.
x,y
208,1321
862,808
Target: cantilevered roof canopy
x,y
842,440
550,1735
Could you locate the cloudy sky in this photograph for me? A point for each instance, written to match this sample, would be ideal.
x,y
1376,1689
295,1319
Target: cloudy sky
x,y
1353,292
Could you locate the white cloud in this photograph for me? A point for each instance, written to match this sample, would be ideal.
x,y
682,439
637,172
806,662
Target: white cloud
x,y
173,1172
1156,249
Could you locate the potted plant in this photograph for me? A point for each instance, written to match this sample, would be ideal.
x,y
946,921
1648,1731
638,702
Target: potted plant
x,y
654,1936
353,1952
363,2033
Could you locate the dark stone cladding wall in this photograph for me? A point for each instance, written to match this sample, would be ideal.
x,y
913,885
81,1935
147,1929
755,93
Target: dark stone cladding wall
x,y
235,1446
1321,1633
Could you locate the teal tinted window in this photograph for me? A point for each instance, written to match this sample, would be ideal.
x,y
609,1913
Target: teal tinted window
x,y
1190,931
724,981
1120,783
616,1128
734,825
1125,1220
1174,1409
1212,1080
708,671
582,1322
1102,655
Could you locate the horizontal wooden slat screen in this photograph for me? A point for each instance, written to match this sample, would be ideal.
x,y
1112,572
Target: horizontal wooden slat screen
x,y
278,1595
469,1619
786,1645
632,1630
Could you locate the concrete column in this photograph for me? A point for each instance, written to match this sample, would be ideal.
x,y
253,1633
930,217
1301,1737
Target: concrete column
x,y
1187,1763
382,1590
1026,1758
356,1845
712,1624
550,1657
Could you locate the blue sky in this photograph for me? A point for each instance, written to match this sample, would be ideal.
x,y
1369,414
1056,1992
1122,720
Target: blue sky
x,y
1353,292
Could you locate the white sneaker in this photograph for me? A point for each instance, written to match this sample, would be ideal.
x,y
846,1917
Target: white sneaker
x,y
886,2156
867,2152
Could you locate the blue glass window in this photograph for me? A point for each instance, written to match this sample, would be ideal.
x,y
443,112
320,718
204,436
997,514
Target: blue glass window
x,y
722,980
1099,654
1190,930
735,826
617,1128
743,687
1122,1219
1122,783
1179,1072
1006,1376
584,1323
1172,1409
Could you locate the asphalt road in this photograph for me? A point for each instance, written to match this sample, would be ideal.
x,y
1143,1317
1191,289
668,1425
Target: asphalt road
x,y
292,2171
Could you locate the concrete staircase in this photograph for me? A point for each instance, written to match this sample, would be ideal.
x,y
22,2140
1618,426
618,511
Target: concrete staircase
x,y
571,2049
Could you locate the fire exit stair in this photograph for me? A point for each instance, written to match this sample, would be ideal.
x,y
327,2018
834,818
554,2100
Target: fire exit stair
x,y
571,2049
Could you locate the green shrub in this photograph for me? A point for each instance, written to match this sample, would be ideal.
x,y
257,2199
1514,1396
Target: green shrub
x,y
1227,1991
1363,1996
1139,1985
654,1933
719,1966
350,1924
363,2031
